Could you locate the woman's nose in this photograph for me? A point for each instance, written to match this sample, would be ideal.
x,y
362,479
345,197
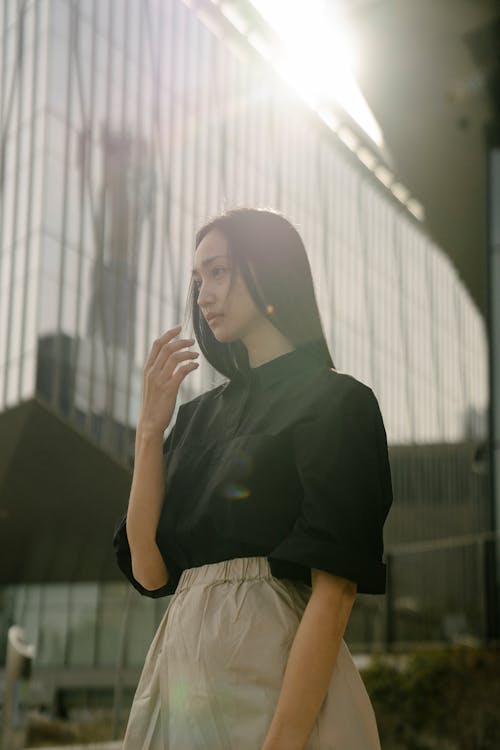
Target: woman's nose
x,y
204,297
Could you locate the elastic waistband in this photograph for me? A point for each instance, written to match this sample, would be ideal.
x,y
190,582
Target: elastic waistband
x,y
236,569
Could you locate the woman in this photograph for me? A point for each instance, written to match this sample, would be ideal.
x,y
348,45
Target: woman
x,y
262,512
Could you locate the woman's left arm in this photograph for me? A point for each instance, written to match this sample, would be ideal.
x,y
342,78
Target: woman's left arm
x,y
311,661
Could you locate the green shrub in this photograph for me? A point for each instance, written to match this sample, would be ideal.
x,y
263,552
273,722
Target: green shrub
x,y
47,731
446,698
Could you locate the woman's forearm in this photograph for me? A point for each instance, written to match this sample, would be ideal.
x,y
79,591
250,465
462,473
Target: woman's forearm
x,y
144,508
310,665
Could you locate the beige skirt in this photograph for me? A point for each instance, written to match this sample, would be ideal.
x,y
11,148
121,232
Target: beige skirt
x,y
213,672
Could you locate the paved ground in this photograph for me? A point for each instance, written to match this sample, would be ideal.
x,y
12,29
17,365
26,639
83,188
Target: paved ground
x,y
91,746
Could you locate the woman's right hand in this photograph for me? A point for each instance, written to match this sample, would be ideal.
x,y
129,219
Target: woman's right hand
x,y
160,384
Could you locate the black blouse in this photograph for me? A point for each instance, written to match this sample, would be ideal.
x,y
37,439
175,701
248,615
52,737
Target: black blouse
x,y
290,462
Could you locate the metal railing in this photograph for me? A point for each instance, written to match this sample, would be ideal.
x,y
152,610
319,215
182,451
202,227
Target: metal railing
x,y
438,591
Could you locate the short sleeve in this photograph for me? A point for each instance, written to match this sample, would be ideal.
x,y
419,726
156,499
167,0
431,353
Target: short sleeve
x,y
342,462
124,560
122,548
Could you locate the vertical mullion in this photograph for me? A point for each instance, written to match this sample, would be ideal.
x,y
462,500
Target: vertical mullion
x,y
95,222
31,160
114,252
253,114
244,131
150,233
240,135
205,123
276,140
218,125
57,399
3,100
224,112
137,151
232,110
85,146
199,123
156,56
182,58
106,339
167,245
189,220
86,182
13,249
3,66
196,118
3,137
132,276
175,146
402,318
157,142
262,145
209,122
189,145
462,354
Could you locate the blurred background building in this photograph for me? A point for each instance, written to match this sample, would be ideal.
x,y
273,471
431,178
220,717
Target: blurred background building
x,y
124,127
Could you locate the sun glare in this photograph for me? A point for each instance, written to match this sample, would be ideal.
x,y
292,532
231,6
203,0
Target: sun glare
x,y
317,56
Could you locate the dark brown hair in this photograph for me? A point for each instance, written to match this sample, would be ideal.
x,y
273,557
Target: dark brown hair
x,y
273,262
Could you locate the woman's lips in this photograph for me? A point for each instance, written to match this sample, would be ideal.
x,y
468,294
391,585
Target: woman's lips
x,y
214,319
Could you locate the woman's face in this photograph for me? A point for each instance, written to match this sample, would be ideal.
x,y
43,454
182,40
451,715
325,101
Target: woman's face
x,y
213,270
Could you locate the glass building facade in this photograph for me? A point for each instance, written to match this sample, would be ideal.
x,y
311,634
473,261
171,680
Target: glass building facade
x,y
125,126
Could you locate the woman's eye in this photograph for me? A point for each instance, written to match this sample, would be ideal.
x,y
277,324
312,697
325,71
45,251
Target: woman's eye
x,y
215,273
218,268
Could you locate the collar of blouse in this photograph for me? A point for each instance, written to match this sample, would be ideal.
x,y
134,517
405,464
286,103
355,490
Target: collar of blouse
x,y
305,357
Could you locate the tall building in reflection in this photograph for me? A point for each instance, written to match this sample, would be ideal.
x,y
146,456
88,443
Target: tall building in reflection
x,y
122,213
124,127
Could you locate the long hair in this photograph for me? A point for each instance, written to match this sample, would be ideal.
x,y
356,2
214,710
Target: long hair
x,y
272,259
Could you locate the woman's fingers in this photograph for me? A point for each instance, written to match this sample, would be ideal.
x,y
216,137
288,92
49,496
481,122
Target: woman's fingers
x,y
160,384
181,372
172,360
159,343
